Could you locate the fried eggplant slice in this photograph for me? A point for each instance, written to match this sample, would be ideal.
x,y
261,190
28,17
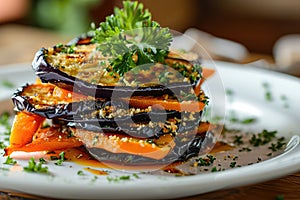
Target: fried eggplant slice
x,y
50,101
81,68
183,147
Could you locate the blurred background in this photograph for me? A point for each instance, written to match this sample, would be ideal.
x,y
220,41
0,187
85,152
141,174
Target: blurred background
x,y
255,24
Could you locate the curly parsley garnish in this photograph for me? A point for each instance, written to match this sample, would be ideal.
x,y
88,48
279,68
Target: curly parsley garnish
x,y
130,38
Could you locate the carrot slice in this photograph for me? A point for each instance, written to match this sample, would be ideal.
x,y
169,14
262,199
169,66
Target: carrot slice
x,y
206,73
66,95
47,139
170,104
24,127
124,144
190,106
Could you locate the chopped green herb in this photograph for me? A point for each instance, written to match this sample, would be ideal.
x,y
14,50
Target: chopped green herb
x,y
36,167
262,138
248,120
2,145
8,84
259,159
214,169
269,154
135,175
229,92
10,161
4,121
238,139
206,161
247,149
94,178
234,119
61,158
284,100
42,160
4,169
59,45
232,164
277,146
268,94
80,173
118,178
67,49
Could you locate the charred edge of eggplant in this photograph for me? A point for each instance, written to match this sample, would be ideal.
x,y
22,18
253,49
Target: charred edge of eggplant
x,y
48,73
180,153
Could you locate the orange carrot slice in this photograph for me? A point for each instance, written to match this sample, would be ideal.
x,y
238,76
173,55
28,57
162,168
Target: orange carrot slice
x,y
206,73
66,95
170,104
47,139
24,127
125,144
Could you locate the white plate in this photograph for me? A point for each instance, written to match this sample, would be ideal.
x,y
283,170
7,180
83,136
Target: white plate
x,y
249,99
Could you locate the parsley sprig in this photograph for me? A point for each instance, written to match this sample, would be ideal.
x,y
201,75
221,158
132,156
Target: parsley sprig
x,y
130,38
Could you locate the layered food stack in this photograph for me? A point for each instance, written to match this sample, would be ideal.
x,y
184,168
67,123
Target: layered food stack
x,y
119,91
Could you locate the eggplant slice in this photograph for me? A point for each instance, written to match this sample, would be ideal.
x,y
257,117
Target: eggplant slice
x,y
139,128
187,146
40,99
71,67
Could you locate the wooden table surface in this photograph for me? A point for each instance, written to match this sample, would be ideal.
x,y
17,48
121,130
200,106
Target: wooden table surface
x,y
18,44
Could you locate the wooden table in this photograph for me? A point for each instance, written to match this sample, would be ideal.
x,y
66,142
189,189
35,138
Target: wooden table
x,y
18,44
